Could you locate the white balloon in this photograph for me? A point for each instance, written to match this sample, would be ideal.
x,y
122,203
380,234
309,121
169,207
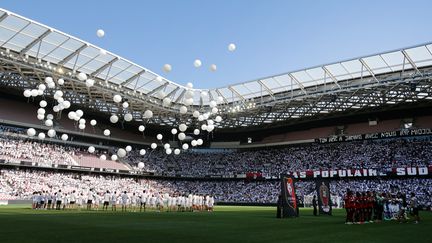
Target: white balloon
x,y
91,149
72,115
141,128
52,85
182,127
128,148
194,143
204,94
40,117
41,135
159,79
185,146
128,117
167,146
121,153
125,105
189,94
64,137
142,152
215,110
196,132
82,126
82,76
200,141
206,116
103,157
196,114
40,92
189,85
66,104
212,104
210,122
219,99
181,136
56,108
42,87
153,145
102,52
51,133
114,119
200,118
100,33
168,151
50,116
197,63
27,93
41,111
48,123
79,113
189,101
173,131
210,127
117,98
176,151
31,132
82,121
49,80
106,132
166,101
213,67
93,122
148,114
159,137
141,164
204,127
231,47
76,118
167,68
218,119
183,110
90,82
60,81
34,92
114,157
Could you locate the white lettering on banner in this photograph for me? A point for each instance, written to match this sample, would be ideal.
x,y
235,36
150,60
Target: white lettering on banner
x,y
342,173
295,175
371,135
411,171
388,134
354,137
404,132
372,172
303,174
349,173
423,171
357,173
316,173
400,171
324,174
333,173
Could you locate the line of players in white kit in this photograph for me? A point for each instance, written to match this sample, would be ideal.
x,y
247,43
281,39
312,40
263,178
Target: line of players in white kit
x,y
129,201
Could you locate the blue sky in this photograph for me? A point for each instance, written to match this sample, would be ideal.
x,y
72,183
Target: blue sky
x,y
272,36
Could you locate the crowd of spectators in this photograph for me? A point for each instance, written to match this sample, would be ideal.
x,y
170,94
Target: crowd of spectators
x,y
20,184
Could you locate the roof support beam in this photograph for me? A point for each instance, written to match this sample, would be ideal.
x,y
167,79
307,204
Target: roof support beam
x,y
266,88
35,41
236,92
70,56
127,81
158,88
368,68
411,61
105,66
299,84
331,76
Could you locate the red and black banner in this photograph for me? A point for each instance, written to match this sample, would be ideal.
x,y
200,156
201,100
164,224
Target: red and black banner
x,y
324,198
289,199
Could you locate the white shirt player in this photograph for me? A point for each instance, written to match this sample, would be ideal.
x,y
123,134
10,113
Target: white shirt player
x,y
124,198
106,197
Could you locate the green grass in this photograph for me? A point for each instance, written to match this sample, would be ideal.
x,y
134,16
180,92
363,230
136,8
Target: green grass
x,y
226,224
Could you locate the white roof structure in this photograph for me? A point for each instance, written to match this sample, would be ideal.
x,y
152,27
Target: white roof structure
x,y
265,100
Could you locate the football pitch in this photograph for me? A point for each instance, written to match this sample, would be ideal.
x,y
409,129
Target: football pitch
x,y
226,224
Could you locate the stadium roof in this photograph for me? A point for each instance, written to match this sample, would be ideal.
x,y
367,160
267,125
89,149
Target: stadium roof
x,y
349,84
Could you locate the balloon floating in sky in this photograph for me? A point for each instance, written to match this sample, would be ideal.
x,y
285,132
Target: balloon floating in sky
x,y
231,47
213,67
167,68
197,63
100,33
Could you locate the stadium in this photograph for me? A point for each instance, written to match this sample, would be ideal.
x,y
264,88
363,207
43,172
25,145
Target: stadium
x,y
95,147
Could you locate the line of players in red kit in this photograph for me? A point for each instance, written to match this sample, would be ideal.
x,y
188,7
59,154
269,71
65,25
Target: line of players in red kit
x,y
360,207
